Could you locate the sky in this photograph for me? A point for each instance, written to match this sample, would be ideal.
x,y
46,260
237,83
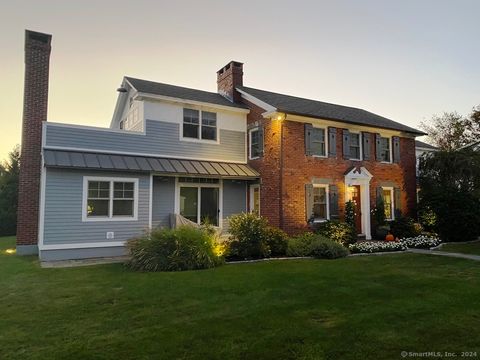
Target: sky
x,y
405,60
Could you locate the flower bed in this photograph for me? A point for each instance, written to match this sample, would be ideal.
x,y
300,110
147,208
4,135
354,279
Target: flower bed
x,y
377,246
421,242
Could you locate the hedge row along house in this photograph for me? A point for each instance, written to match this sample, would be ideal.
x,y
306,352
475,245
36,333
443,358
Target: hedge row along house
x,y
205,156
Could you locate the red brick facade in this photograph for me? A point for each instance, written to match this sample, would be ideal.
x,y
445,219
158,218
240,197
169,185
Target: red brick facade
x,y
300,169
285,169
37,58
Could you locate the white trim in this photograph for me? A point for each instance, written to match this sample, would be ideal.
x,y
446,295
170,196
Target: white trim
x,y
249,143
82,245
150,205
140,96
327,201
96,128
49,147
41,215
326,136
267,107
360,141
199,139
252,192
392,198
361,177
110,217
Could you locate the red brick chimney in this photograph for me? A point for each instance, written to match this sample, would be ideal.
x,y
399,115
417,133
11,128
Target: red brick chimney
x,y
35,101
228,78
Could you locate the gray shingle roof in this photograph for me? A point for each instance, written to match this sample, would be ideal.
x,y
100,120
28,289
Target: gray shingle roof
x,y
421,144
91,160
318,109
151,87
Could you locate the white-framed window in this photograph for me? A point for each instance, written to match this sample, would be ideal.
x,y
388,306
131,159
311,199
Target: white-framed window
x,y
200,125
255,143
386,149
199,201
355,146
319,142
388,203
110,199
255,199
320,203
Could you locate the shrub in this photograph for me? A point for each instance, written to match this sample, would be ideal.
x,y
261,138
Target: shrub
x,y
184,248
427,219
350,213
403,227
338,231
276,240
421,242
376,246
300,245
323,248
248,236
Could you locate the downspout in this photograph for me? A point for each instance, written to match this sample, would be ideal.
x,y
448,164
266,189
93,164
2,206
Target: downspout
x,y
280,190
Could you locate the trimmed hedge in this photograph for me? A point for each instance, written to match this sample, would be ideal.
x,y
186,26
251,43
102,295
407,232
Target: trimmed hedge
x,y
318,246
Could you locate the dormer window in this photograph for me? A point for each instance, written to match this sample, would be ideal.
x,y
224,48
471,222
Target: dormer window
x,y
199,124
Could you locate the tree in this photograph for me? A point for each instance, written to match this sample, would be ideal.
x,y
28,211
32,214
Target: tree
x,y
450,187
452,131
9,171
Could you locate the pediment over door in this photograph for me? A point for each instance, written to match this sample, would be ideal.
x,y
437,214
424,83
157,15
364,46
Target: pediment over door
x,y
358,173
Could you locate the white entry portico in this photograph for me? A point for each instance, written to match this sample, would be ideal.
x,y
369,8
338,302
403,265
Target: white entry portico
x,y
361,177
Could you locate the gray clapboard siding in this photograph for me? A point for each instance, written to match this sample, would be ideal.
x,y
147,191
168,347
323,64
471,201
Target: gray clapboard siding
x,y
161,138
163,203
63,209
234,199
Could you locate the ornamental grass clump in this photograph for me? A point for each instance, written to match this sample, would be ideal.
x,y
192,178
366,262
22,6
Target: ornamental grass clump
x,y
421,242
184,248
376,246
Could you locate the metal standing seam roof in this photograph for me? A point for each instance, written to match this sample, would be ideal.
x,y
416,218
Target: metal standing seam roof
x,y
90,160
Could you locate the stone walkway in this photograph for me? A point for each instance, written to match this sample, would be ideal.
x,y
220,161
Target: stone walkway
x,y
444,253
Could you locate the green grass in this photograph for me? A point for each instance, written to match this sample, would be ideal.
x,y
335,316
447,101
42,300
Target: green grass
x,y
354,308
472,248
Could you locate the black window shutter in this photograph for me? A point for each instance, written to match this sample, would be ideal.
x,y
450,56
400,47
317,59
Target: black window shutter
x,y
346,144
378,147
260,139
366,146
308,139
308,201
379,195
333,201
396,149
397,202
332,142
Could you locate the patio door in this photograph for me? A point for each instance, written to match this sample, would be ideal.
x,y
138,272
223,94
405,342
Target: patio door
x,y
200,204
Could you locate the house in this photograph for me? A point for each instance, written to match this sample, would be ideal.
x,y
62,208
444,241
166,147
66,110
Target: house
x,y
422,148
206,156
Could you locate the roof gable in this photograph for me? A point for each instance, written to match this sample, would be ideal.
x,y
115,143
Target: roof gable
x,y
319,109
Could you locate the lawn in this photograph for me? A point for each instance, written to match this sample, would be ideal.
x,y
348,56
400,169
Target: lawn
x,y
472,248
368,307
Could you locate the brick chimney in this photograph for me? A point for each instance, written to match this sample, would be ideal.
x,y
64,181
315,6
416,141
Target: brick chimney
x,y
35,101
228,78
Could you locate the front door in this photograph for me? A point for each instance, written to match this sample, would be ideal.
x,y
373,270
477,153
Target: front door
x,y
355,191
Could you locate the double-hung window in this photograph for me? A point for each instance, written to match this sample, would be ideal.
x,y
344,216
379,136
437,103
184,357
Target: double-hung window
x,y
320,203
255,143
199,124
318,142
385,149
355,150
388,203
110,199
